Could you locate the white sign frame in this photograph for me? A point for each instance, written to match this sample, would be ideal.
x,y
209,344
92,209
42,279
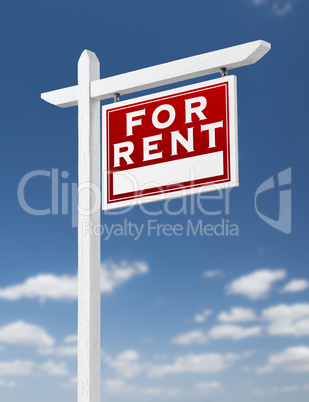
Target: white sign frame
x,y
180,192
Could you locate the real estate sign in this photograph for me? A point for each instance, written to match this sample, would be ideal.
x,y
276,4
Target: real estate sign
x,y
170,144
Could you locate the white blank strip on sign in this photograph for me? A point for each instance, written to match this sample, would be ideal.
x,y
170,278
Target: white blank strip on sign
x,y
166,173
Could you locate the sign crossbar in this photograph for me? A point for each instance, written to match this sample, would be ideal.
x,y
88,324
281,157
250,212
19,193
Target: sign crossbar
x,y
163,74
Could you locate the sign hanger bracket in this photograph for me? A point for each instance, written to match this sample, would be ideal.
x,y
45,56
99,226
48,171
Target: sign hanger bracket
x,y
116,97
223,72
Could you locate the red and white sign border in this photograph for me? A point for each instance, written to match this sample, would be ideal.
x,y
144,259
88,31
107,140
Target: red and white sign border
x,y
202,188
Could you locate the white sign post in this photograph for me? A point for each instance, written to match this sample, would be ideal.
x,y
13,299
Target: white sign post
x,y
88,245
87,95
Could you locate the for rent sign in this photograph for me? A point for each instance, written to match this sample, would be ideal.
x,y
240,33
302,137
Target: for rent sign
x,y
170,144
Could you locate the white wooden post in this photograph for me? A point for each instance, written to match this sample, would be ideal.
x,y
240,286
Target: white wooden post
x,y
89,296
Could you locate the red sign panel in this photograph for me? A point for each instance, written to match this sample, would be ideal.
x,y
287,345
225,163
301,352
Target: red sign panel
x,y
170,144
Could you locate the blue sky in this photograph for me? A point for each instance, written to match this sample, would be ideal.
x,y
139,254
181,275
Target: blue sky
x,y
191,317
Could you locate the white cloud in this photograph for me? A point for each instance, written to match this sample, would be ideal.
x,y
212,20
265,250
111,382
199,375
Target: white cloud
x,y
147,339
296,285
202,317
234,332
115,386
222,331
290,388
67,349
189,338
255,285
203,363
26,367
278,7
113,275
16,367
281,9
258,2
275,390
174,392
63,351
154,391
266,391
287,319
71,383
23,333
64,287
237,314
161,357
126,364
43,286
215,273
294,359
207,387
70,339
286,312
8,384
129,364
54,368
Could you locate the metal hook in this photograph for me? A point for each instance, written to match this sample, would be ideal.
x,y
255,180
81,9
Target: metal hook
x,y
223,72
116,97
